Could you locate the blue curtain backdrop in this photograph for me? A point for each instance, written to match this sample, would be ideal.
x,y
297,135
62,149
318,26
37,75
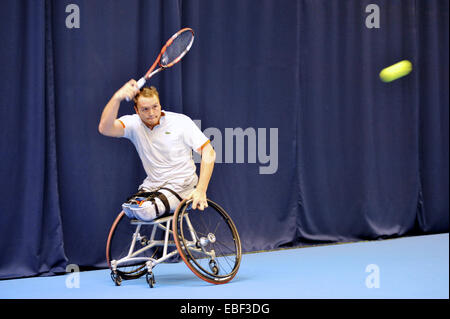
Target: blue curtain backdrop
x,y
331,153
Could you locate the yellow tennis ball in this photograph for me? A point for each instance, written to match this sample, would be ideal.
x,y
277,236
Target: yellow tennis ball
x,y
396,71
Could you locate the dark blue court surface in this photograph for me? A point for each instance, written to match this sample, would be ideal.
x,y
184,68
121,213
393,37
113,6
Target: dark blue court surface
x,y
410,267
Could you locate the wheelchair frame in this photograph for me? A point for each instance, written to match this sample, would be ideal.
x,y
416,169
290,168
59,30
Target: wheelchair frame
x,y
165,223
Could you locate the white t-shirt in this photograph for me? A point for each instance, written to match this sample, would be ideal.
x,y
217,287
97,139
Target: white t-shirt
x,y
166,150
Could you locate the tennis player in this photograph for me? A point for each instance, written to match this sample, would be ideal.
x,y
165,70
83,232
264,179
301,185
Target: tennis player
x,y
164,141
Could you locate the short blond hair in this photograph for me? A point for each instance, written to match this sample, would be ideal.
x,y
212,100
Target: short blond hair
x,y
146,92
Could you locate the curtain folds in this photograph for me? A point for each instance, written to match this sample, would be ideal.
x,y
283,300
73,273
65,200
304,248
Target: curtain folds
x,y
312,147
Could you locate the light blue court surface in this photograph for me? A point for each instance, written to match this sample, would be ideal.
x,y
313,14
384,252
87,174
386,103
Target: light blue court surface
x,y
404,268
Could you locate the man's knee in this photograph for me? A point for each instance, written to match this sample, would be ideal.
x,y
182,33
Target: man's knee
x,y
146,211
147,206
152,206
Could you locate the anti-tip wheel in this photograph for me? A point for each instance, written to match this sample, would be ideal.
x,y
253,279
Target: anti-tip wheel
x,y
150,277
116,278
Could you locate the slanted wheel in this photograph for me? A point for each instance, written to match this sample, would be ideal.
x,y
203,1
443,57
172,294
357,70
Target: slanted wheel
x,y
208,241
118,246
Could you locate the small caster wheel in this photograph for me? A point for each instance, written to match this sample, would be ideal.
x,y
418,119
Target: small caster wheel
x,y
116,278
213,267
150,279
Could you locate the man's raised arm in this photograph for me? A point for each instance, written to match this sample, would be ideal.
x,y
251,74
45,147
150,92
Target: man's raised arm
x,y
109,125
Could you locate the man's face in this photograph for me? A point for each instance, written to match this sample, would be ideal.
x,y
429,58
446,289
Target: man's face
x,y
149,110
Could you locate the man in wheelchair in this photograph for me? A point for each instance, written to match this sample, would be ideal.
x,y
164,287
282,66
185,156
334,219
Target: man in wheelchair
x,y
164,141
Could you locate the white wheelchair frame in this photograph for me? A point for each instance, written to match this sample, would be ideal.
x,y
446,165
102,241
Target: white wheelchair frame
x,y
150,262
163,223
184,247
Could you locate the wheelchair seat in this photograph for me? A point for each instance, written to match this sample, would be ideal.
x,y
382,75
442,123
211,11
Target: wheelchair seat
x,y
161,219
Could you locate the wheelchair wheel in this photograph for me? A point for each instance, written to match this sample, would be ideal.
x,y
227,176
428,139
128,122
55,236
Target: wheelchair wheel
x,y
119,243
207,241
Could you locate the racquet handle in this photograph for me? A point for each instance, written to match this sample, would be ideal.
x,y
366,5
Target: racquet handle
x,y
140,84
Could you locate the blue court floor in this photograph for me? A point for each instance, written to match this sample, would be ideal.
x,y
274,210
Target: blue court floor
x,y
403,268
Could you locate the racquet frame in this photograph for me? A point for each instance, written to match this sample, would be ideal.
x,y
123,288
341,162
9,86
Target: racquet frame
x,y
151,72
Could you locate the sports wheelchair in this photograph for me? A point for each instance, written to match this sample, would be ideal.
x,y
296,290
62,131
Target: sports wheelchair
x,y
207,241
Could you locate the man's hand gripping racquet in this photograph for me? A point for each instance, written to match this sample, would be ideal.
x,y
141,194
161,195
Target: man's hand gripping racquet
x,y
171,53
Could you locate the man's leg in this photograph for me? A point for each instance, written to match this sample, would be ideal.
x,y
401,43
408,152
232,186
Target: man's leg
x,y
134,200
156,206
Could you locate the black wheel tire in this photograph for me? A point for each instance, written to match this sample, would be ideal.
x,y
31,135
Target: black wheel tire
x,y
116,278
150,277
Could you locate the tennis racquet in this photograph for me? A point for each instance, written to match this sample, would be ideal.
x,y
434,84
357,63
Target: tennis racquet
x,y
171,53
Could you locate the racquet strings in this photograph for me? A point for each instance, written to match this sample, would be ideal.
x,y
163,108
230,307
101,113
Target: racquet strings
x,y
178,48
